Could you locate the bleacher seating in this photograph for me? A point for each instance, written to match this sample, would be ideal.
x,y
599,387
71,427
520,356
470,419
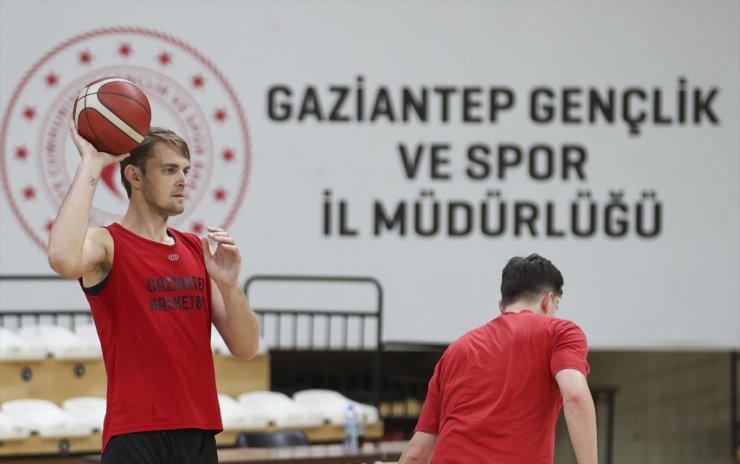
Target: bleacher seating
x,y
53,384
12,429
60,342
53,380
89,333
332,406
14,347
46,418
236,416
88,409
280,410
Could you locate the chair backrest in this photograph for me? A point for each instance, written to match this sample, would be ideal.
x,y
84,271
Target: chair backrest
x,y
277,439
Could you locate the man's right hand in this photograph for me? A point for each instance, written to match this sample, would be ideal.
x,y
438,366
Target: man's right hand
x,y
88,151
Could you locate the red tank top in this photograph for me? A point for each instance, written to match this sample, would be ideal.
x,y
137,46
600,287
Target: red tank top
x,y
153,317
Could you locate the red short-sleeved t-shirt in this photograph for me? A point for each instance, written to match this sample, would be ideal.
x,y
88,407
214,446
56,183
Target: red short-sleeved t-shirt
x,y
493,395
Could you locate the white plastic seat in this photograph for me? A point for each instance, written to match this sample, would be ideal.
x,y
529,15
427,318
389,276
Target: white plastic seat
x,y
13,429
235,416
13,347
280,410
46,418
58,341
89,333
88,409
332,406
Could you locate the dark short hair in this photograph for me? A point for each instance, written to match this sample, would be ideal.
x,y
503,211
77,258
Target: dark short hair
x,y
145,150
527,278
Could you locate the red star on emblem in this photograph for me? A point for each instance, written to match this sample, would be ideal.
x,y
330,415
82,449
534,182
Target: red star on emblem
x,y
220,115
198,81
29,193
220,194
85,57
197,227
49,225
125,50
29,113
21,153
228,155
52,79
164,58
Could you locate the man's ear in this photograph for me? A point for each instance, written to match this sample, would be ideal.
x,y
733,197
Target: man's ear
x,y
501,306
133,175
546,303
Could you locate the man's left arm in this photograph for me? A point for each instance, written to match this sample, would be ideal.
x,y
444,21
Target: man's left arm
x,y
419,449
231,313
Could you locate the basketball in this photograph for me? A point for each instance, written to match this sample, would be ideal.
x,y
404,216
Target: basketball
x,y
113,114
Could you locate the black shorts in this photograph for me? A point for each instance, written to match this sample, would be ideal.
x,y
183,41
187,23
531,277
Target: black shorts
x,y
186,446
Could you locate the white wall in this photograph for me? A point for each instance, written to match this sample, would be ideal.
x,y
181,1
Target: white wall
x,y
621,288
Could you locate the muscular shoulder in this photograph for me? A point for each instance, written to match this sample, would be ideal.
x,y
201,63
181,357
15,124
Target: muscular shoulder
x,y
566,327
180,235
99,252
463,345
101,237
568,348
190,240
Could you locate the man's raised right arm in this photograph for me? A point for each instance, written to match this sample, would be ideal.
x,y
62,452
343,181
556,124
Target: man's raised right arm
x,y
75,250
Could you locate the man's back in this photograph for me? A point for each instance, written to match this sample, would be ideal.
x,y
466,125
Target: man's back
x,y
493,397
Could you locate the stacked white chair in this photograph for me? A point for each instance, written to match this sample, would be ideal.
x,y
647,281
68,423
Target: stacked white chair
x,y
280,410
218,345
46,418
89,333
332,406
59,341
13,429
14,347
88,409
236,416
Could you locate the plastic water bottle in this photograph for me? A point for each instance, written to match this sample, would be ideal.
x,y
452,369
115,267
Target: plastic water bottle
x,y
351,429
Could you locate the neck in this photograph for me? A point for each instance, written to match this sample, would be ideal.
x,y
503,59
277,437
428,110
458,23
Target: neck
x,y
146,224
520,306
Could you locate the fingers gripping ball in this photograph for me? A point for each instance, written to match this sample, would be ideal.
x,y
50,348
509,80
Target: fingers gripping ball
x,y
113,114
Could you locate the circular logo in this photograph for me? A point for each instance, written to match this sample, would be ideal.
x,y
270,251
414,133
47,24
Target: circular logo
x,y
187,93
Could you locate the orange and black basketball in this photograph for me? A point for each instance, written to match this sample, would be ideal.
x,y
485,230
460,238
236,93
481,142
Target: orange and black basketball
x,y
113,114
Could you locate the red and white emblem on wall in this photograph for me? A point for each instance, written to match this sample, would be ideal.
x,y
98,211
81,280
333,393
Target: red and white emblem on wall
x,y
188,94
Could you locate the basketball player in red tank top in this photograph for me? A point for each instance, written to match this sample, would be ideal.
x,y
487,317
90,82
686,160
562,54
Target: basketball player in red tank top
x,y
154,293
497,391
